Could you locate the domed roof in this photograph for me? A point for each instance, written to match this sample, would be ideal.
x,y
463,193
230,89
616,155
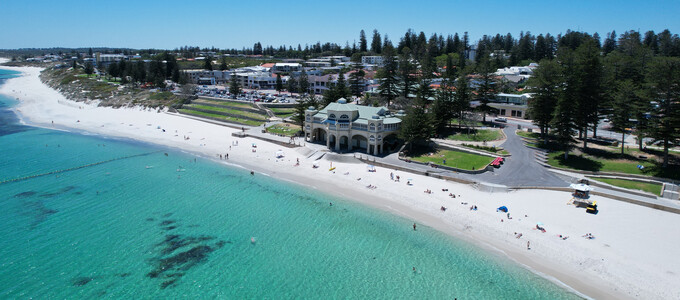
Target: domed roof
x,y
342,101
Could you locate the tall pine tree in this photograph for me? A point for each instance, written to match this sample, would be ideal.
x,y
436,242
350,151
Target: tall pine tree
x,y
387,75
546,84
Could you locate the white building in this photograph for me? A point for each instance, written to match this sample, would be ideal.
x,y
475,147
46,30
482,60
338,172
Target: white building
x,y
342,126
286,67
511,105
372,60
258,80
106,59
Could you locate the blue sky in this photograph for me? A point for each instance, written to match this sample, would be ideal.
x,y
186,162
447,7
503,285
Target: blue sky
x,y
234,24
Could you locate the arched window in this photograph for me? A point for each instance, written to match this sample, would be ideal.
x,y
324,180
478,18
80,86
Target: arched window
x,y
344,117
372,138
379,137
331,117
380,126
372,127
309,118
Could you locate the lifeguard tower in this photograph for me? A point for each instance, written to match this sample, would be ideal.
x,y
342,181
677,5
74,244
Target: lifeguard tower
x,y
581,197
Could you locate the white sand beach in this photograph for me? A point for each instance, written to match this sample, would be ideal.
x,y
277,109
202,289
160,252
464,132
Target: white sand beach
x,y
633,255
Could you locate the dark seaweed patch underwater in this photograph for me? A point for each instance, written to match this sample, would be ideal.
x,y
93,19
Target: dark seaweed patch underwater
x,y
177,253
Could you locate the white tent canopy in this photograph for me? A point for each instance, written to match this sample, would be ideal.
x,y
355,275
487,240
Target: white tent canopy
x,y
581,187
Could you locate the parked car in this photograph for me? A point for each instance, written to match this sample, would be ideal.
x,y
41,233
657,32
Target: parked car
x,y
501,119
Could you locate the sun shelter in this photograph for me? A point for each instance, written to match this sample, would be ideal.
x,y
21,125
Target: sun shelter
x,y
581,194
279,154
502,208
370,168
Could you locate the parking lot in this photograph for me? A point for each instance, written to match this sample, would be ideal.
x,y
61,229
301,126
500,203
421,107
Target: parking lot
x,y
269,96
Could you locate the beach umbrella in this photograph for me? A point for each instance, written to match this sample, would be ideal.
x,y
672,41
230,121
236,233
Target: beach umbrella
x,y
539,224
279,154
315,164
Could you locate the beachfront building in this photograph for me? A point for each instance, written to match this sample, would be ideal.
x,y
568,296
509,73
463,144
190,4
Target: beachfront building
x,y
346,126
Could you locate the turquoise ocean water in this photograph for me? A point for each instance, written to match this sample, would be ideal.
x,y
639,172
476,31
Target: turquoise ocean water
x,y
135,227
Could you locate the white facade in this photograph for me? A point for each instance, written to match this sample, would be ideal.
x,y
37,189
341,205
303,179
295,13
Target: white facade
x,y
286,67
372,60
511,105
343,126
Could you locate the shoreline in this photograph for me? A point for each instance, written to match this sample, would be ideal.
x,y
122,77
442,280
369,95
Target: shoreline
x,y
557,260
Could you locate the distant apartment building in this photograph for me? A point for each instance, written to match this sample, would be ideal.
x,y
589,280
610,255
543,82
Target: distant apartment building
x,y
257,80
103,60
286,67
516,74
375,60
219,77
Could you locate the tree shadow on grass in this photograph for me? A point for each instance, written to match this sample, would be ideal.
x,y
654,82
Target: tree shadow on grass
x,y
419,150
671,172
605,154
580,163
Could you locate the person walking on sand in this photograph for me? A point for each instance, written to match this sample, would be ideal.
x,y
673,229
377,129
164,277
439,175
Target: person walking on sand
x,y
528,245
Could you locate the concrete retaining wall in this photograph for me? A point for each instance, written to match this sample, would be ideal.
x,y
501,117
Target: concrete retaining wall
x,y
400,168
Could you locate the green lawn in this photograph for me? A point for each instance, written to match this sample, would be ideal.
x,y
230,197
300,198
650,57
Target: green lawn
x,y
284,129
599,164
653,188
224,103
486,148
454,122
531,135
477,135
162,96
230,111
226,118
283,112
456,159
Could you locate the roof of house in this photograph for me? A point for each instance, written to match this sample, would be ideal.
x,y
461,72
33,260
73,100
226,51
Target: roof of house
x,y
364,112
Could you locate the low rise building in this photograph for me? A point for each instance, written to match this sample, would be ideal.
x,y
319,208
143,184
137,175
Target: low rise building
x,y
104,60
375,60
345,126
286,67
511,105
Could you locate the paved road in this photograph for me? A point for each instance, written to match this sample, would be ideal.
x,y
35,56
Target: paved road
x,y
603,131
520,169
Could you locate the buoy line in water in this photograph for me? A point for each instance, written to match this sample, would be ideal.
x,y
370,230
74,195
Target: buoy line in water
x,y
74,168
